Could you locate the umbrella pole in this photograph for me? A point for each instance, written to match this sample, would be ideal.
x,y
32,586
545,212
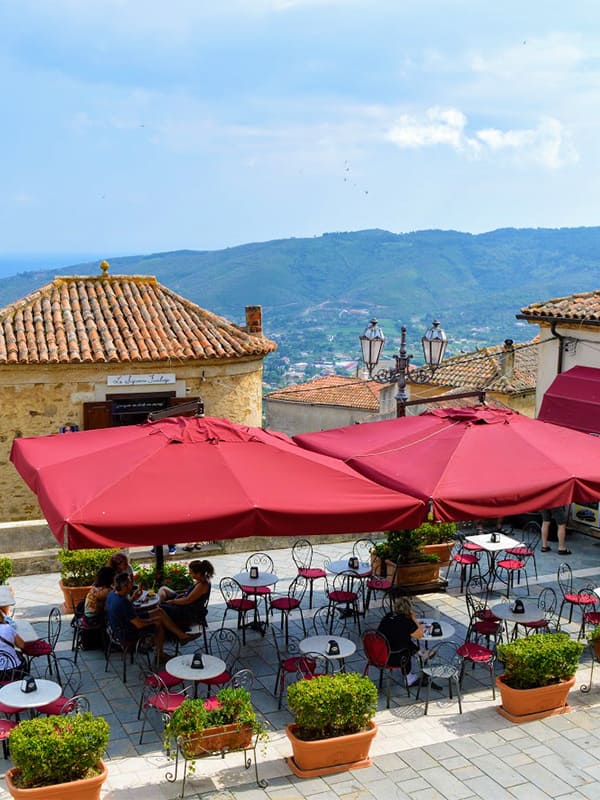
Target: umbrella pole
x,y
160,564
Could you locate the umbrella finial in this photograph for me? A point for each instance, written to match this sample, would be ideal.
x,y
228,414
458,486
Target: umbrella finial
x,y
104,266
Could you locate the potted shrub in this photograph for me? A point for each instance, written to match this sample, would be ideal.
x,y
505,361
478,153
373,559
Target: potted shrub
x,y
438,539
379,556
62,752
333,723
223,723
407,557
6,569
78,570
594,641
539,672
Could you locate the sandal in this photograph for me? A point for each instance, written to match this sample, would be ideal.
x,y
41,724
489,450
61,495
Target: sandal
x,y
564,552
188,548
543,549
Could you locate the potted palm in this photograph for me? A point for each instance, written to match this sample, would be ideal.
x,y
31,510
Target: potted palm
x,y
61,752
333,724
539,672
78,570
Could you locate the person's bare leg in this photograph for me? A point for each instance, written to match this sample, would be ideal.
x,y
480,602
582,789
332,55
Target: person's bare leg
x,y
168,623
165,593
545,533
562,537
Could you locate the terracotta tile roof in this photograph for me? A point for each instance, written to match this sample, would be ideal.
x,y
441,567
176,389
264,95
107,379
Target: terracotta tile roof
x,y
333,390
117,318
483,370
578,307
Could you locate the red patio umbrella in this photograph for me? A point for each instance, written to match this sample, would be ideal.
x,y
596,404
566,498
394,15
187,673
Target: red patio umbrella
x,y
183,479
470,463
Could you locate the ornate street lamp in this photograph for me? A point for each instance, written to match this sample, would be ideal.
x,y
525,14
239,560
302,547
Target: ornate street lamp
x,y
434,346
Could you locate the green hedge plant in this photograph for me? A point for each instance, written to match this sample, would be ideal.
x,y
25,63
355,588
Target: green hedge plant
x,y
79,567
6,569
332,705
539,660
56,749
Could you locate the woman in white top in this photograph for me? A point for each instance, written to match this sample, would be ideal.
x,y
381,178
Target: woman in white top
x,y
12,663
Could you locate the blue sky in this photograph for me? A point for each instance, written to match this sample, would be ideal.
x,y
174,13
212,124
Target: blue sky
x,y
134,126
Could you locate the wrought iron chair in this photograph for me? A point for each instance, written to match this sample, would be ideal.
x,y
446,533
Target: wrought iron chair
x,y
156,697
465,560
312,665
288,655
343,592
477,654
292,601
325,623
68,674
548,622
572,595
482,621
362,548
264,563
236,601
117,641
531,535
242,679
302,554
45,647
444,664
378,654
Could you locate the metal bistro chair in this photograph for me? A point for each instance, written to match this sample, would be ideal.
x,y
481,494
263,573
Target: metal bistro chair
x,y
547,603
292,601
531,535
156,697
224,644
482,621
378,653
572,595
45,647
325,623
118,642
264,563
362,548
288,656
302,554
68,675
236,601
343,593
444,664
466,561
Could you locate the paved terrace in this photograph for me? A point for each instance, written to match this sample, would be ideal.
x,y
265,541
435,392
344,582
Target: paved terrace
x,y
441,755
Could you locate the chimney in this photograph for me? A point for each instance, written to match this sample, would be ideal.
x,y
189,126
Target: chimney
x,y
254,320
507,359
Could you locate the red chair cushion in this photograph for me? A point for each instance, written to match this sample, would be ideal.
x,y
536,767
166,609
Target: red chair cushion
x,y
40,647
285,603
342,596
486,627
465,558
166,677
312,572
291,664
519,551
474,548
6,726
474,652
511,563
379,583
241,604
55,707
166,701
218,679
256,589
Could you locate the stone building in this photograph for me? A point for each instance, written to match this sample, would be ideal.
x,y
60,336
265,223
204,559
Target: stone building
x,y
89,352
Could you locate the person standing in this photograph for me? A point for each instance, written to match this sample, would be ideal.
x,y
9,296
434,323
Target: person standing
x,y
559,515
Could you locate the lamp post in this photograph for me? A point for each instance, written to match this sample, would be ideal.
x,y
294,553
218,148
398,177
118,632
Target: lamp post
x,y
434,344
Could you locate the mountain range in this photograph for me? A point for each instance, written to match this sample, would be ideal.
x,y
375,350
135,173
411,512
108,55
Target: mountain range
x,y
318,293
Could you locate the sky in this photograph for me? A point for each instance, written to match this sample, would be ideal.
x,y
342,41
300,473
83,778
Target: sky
x,y
138,126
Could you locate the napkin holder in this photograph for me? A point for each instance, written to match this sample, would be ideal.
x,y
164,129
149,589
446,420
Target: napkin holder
x,y
28,684
518,607
436,629
495,538
333,648
353,562
197,662
253,573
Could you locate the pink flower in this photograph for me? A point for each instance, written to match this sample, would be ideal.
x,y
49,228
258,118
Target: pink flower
x,y
212,704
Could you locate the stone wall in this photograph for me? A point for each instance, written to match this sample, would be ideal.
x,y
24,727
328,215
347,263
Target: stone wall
x,y
39,400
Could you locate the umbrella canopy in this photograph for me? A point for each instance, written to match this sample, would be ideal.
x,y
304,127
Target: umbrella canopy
x,y
183,479
470,463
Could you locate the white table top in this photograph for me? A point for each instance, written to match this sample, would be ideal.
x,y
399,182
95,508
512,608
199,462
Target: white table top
x,y
180,667
46,692
448,630
26,630
319,644
335,567
504,611
264,579
485,540
145,603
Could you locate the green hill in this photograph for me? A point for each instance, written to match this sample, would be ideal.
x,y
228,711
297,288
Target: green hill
x,y
318,294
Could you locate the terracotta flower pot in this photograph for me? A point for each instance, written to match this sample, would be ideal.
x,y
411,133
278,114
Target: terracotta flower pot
x,y
524,705
84,789
328,756
409,574
217,739
441,550
72,594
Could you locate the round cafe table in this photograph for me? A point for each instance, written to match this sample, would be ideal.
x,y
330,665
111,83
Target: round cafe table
x,y
341,565
181,667
319,644
146,603
46,692
448,630
248,584
504,612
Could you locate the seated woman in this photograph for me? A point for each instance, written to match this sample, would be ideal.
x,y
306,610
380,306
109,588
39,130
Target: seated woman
x,y
400,628
12,663
96,597
120,563
188,608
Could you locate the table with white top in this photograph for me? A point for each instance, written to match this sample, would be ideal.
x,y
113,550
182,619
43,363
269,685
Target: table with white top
x,y
320,644
448,630
263,580
146,602
181,667
504,611
46,692
493,548
341,565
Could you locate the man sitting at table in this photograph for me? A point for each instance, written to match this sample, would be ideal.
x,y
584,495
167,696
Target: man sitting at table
x,y
400,628
124,619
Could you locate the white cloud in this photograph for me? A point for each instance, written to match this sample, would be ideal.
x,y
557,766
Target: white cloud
x,y
548,144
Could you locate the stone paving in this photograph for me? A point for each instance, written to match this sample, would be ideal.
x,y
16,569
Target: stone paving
x,y
441,755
